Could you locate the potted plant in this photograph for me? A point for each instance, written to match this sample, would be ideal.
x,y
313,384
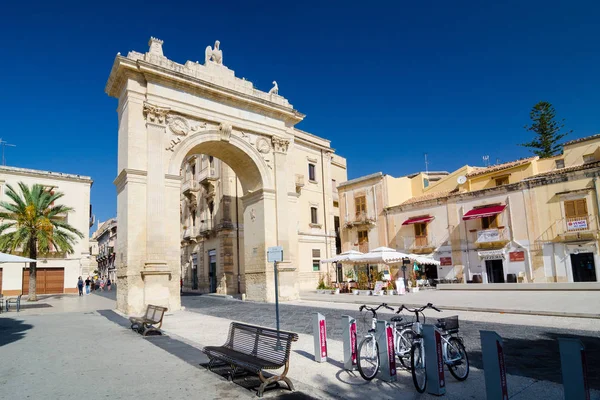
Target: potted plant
x,y
321,287
363,283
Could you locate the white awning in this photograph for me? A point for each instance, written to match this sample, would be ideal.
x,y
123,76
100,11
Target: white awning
x,y
9,258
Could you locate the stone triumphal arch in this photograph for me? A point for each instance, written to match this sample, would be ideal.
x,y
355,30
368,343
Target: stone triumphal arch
x,y
167,111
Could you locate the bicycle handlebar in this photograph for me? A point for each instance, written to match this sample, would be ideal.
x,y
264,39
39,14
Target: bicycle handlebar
x,y
374,310
417,310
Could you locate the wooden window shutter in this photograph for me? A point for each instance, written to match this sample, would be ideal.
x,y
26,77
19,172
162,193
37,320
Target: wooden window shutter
x,y
581,207
570,210
316,253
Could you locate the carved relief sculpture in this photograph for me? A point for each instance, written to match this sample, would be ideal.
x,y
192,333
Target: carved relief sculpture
x,y
214,54
178,125
263,146
225,131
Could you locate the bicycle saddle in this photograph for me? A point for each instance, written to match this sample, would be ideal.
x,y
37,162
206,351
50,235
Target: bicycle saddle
x,y
397,319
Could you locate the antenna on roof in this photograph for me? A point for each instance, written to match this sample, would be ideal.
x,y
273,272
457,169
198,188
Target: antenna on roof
x,y
486,160
4,143
426,165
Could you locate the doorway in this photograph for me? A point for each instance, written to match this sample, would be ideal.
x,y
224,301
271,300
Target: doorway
x,y
584,268
431,272
212,270
495,271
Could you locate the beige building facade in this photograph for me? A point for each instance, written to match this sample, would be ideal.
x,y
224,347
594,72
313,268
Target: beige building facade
x,y
56,272
103,242
168,113
530,220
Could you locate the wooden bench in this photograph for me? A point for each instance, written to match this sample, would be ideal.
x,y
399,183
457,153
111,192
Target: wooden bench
x,y
254,349
150,322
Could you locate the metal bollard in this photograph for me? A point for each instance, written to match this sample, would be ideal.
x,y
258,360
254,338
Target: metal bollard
x,y
387,358
494,368
320,336
434,361
574,369
349,336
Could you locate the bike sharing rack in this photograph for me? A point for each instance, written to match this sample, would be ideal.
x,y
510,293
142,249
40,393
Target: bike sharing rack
x,y
384,335
434,361
320,337
494,368
574,369
349,342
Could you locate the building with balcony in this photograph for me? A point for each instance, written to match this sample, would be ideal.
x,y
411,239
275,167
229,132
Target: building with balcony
x,y
105,239
56,272
529,220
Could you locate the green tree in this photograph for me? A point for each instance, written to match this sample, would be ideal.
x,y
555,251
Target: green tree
x,y
547,130
33,224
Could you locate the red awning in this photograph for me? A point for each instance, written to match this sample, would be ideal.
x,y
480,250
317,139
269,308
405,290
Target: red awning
x,y
418,220
483,212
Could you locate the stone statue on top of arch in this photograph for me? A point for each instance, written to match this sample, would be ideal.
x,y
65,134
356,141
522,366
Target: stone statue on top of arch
x,y
214,54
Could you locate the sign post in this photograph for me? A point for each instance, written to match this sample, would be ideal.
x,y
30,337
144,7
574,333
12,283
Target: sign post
x,y
574,369
387,358
494,368
349,336
275,255
320,336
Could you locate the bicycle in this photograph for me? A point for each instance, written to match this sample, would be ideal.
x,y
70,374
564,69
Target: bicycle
x,y
367,356
453,351
404,335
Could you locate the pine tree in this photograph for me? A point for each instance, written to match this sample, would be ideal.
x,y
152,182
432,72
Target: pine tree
x,y
547,130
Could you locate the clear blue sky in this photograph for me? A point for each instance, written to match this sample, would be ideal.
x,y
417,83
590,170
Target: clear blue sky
x,y
385,81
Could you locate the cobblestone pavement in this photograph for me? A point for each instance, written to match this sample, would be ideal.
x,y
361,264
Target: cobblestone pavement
x,y
530,351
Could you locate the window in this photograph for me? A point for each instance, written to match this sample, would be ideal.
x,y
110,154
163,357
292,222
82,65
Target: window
x,y
489,222
420,230
313,215
425,182
316,256
361,205
312,175
503,180
336,204
363,241
576,208
193,170
588,158
194,218
334,185
560,163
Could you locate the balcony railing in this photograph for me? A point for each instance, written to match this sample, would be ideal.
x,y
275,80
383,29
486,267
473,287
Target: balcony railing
x,y
493,236
207,175
421,242
190,186
576,226
361,218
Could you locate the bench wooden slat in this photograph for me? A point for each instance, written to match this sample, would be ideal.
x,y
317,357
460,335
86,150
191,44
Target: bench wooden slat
x,y
151,321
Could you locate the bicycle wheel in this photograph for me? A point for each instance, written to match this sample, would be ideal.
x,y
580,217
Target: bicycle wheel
x,y
417,359
404,341
460,368
368,358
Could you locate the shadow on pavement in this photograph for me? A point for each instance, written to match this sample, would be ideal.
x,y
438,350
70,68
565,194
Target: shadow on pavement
x,y
312,358
12,330
540,357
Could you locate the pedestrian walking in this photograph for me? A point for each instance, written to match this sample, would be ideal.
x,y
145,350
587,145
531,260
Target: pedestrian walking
x,y
93,285
88,281
108,283
181,285
101,284
80,286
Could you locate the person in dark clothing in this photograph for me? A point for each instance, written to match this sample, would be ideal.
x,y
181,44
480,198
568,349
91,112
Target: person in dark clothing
x,y
93,285
88,281
108,283
80,286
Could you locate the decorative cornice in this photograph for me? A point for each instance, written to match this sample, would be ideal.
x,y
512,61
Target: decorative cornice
x,y
280,145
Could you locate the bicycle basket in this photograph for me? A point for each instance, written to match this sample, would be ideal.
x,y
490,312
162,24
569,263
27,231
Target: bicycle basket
x,y
448,323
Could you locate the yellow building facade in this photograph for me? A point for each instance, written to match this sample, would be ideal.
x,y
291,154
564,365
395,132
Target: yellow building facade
x,y
529,220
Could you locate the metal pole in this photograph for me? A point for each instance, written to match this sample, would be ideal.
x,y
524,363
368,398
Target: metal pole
x,y
276,295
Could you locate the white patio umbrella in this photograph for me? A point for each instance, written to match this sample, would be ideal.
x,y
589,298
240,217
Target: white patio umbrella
x,y
381,255
343,257
423,259
10,258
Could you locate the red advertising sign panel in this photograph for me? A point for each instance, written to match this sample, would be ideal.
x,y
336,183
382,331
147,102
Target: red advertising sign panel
x,y
323,338
353,341
502,371
390,346
445,261
586,383
440,358
516,256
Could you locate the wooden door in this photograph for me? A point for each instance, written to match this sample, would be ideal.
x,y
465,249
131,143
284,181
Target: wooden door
x,y
49,281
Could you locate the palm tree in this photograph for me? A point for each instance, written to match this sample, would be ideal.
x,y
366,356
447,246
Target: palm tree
x,y
32,223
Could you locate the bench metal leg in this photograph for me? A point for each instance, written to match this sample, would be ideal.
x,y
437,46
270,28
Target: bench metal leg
x,y
276,378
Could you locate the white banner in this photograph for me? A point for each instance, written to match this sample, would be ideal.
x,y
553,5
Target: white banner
x,y
577,225
488,235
